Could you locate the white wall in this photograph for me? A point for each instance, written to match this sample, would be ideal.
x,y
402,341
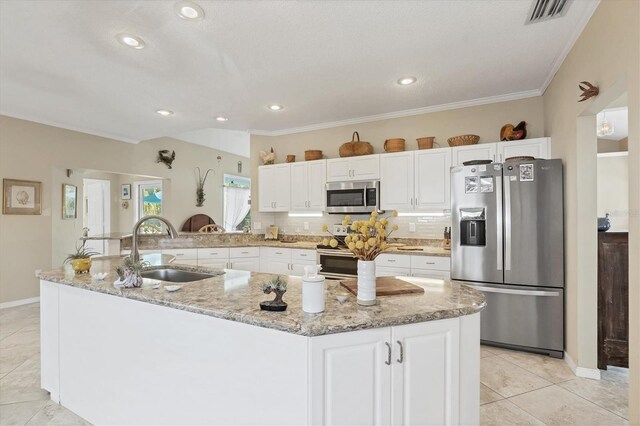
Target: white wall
x,y
613,190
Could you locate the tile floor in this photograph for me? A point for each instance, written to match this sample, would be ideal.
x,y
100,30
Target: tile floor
x,y
516,388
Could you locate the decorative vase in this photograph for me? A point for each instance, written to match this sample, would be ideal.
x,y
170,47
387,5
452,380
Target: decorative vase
x,y
366,282
81,266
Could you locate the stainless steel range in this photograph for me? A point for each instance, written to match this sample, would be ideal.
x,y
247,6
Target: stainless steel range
x,y
337,263
507,241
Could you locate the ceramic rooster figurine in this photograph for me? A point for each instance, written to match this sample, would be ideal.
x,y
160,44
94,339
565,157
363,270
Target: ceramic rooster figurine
x,y
268,158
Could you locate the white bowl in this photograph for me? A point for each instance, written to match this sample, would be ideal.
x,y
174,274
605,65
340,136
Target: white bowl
x,y
172,288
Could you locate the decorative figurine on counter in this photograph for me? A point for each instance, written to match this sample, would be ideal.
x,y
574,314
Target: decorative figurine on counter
x,y
166,158
129,273
279,287
200,189
268,158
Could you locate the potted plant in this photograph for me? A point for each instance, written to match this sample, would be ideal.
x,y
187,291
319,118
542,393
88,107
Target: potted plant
x,y
81,259
129,273
366,240
278,286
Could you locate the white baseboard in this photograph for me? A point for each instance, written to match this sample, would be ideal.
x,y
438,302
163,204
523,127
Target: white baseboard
x,y
19,302
589,373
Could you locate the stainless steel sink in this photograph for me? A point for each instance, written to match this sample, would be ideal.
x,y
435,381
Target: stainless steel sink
x,y
175,275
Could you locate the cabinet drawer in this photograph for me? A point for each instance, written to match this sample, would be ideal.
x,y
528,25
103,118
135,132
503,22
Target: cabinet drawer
x,y
427,273
182,253
278,253
213,253
303,255
394,261
239,252
431,262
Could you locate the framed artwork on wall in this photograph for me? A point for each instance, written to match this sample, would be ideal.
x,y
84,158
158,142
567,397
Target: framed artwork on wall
x,y
21,196
69,201
126,191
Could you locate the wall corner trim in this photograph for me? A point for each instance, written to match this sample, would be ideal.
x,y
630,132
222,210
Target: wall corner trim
x,y
19,302
588,373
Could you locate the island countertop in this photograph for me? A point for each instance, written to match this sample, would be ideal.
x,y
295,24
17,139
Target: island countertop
x,y
235,295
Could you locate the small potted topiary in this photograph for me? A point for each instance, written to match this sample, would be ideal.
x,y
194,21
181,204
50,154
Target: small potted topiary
x,y
81,259
279,287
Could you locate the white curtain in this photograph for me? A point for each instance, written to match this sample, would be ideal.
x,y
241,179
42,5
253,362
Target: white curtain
x,y
236,206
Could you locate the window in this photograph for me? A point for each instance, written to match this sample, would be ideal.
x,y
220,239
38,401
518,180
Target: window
x,y
150,203
236,203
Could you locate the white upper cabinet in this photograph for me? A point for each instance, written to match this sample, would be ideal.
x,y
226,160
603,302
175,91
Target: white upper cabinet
x,y
415,180
432,179
397,181
274,190
483,151
366,167
308,185
538,148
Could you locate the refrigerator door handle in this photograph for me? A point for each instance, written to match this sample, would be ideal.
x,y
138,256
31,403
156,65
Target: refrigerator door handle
x,y
517,292
507,224
499,223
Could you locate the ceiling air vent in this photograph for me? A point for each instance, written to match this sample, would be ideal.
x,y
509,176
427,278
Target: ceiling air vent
x,y
543,10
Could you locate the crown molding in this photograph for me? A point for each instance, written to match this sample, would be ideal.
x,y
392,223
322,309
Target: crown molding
x,y
582,23
72,128
400,114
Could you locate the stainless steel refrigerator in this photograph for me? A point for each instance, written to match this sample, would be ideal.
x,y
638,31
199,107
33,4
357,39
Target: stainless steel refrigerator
x,y
507,241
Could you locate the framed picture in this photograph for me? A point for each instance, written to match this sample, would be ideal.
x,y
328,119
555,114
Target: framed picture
x,y
21,196
126,191
69,201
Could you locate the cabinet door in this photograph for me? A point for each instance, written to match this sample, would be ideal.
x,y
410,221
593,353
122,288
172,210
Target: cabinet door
x,y
281,188
350,381
538,148
338,169
385,271
299,184
432,179
266,182
214,263
484,151
316,189
425,377
297,267
366,167
396,181
245,264
275,266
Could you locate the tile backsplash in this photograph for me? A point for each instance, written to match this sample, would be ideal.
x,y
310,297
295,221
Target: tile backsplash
x,y
426,226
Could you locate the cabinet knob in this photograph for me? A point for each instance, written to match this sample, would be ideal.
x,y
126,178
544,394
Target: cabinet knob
x,y
388,361
401,359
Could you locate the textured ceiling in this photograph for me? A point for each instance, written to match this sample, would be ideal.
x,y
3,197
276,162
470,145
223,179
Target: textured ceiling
x,y
324,61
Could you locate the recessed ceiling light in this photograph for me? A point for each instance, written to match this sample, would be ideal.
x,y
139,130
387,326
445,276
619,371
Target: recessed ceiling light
x,y
221,118
130,40
404,81
189,10
164,112
275,107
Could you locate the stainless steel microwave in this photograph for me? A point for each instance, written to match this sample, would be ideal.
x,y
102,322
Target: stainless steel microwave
x,y
353,197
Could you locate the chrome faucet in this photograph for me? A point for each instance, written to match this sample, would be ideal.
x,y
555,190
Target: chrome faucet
x,y
135,255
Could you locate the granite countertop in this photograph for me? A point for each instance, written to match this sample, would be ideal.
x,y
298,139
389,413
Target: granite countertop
x,y
236,295
108,236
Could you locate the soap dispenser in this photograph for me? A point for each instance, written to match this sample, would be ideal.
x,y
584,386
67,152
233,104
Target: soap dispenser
x,y
313,288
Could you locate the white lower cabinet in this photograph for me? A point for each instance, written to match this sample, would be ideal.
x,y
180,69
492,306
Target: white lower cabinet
x,y
241,258
404,375
395,265
285,261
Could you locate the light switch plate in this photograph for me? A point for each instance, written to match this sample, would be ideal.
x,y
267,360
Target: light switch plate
x,y
412,227
257,225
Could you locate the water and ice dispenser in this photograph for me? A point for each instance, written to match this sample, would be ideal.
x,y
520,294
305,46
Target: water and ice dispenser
x,y
473,227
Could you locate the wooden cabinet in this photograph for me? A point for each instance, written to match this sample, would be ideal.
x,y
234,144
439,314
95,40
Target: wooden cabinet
x,y
285,261
416,180
432,180
274,192
404,375
366,167
500,151
307,185
613,299
538,148
395,265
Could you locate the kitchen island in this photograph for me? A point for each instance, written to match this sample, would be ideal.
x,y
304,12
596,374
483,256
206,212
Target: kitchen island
x,y
207,354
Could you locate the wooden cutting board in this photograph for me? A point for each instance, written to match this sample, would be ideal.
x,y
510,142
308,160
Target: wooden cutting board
x,y
385,286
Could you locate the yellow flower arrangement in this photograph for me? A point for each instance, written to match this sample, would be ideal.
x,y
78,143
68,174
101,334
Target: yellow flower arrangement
x,y
368,237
